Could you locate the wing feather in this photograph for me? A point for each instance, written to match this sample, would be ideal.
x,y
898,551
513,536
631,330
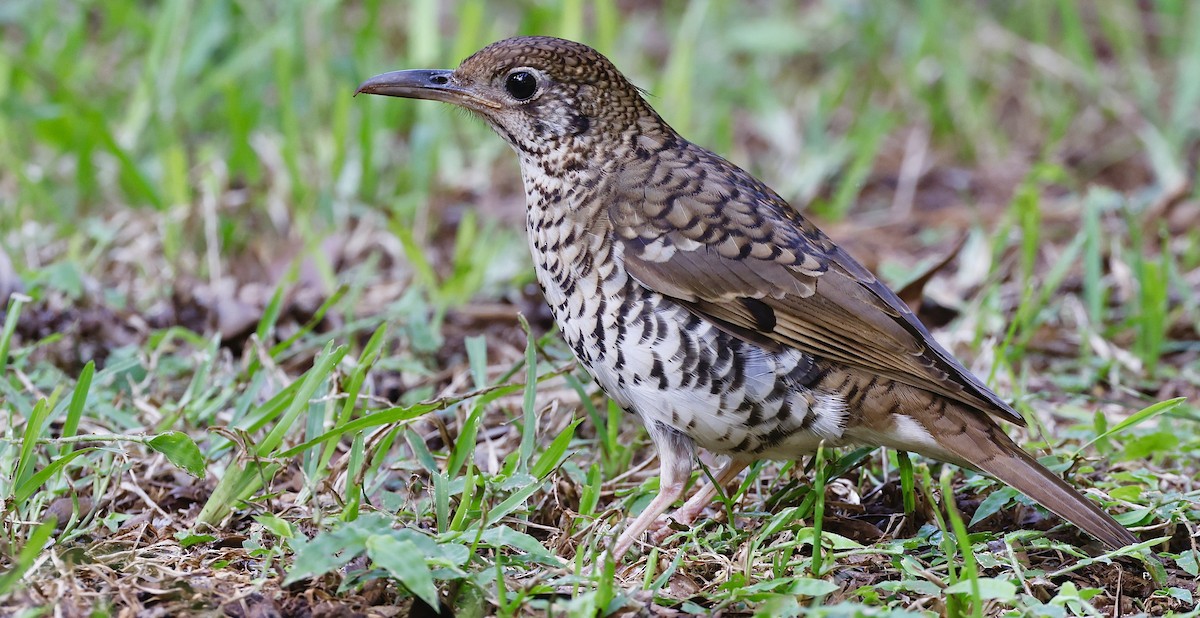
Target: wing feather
x,y
713,248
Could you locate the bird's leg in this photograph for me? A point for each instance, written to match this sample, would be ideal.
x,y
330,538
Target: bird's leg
x,y
699,501
675,466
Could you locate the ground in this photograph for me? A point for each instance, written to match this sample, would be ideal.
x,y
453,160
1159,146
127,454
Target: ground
x,y
273,350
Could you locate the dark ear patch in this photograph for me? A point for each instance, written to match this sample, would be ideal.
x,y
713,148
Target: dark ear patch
x,y
763,314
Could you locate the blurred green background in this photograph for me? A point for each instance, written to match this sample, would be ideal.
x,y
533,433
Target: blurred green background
x,y
146,105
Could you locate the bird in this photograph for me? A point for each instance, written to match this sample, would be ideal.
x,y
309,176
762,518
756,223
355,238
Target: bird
x,y
705,304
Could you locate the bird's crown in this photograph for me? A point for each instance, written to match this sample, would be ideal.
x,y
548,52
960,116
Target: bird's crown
x,y
563,61
551,90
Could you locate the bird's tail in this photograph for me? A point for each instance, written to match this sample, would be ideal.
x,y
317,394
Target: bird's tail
x,y
971,436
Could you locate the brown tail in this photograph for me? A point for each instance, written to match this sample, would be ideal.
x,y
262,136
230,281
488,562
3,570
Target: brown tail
x,y
904,417
981,442
1029,477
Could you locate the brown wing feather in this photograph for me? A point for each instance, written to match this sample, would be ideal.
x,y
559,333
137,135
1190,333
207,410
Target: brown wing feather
x,y
683,234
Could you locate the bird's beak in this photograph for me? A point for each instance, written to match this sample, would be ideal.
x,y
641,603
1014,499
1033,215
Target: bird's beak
x,y
435,85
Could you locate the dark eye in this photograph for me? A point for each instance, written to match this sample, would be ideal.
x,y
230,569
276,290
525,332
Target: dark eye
x,y
521,85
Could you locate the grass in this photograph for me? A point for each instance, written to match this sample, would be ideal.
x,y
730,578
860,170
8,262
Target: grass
x,y
267,338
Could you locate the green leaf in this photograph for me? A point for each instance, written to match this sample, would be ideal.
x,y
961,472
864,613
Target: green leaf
x,y
850,461
811,587
464,444
78,401
992,504
330,550
11,315
780,520
554,454
322,370
441,500
477,358
1135,418
181,450
1188,562
590,496
989,588
406,564
907,482
1147,445
64,277
386,416
266,324
503,536
514,500
241,479
276,525
187,539
29,552
835,542
779,584
29,438
919,586
1183,594
30,485
775,606
445,554
1128,493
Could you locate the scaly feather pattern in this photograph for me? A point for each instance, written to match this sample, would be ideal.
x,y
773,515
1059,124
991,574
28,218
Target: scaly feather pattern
x,y
705,304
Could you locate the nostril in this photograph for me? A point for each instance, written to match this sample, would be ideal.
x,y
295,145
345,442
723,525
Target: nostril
x,y
440,80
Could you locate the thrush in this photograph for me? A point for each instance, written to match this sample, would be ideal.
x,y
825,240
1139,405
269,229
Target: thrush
x,y
706,305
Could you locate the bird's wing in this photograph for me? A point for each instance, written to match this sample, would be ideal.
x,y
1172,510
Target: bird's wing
x,y
698,229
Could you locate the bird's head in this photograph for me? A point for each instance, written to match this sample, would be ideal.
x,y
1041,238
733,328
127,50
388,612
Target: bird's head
x,y
539,93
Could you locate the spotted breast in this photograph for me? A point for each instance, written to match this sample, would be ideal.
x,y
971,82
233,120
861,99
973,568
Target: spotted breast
x,y
707,305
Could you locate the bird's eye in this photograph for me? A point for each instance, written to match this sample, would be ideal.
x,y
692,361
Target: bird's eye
x,y
521,85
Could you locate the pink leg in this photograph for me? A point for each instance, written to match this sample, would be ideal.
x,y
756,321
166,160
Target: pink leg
x,y
699,501
674,468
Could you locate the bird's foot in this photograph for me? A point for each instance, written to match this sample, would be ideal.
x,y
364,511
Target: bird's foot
x,y
679,521
683,517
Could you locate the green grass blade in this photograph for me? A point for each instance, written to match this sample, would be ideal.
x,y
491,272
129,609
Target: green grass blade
x,y
29,438
1144,414
27,555
322,370
30,485
78,402
11,315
